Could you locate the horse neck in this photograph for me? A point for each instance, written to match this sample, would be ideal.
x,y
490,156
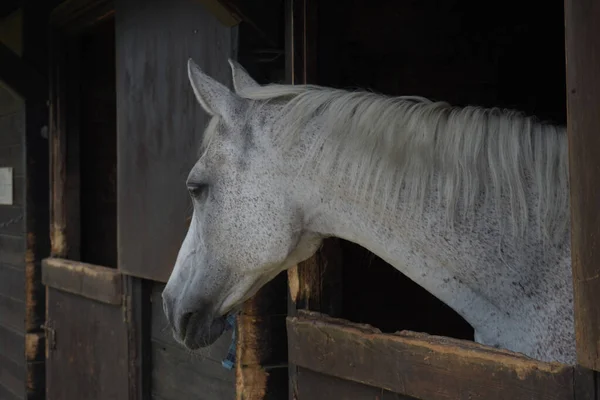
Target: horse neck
x,y
457,265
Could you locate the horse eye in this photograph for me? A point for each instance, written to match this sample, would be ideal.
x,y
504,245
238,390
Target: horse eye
x,y
197,190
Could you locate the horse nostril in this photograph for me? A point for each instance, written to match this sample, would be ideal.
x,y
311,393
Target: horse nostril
x,y
185,318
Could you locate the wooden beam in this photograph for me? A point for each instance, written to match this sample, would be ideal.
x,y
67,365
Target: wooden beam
x,y
422,366
261,352
20,76
583,121
87,280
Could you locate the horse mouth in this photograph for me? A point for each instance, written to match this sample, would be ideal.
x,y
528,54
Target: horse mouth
x,y
198,334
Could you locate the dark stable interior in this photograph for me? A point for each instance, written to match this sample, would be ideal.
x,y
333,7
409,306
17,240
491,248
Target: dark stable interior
x,y
464,52
98,146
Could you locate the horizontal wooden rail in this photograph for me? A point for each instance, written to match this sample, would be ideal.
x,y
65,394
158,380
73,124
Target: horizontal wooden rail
x,y
420,365
92,281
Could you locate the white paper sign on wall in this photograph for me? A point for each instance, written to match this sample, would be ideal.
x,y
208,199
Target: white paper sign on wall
x,y
6,186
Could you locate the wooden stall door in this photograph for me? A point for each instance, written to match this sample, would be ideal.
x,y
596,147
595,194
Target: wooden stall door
x,y
87,338
89,349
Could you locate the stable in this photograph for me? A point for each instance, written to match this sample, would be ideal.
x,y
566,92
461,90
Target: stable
x,y
99,129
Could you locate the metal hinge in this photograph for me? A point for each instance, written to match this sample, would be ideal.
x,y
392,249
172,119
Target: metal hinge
x,y
50,335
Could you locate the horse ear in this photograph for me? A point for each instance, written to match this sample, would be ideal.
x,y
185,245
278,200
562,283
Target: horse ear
x,y
241,78
214,97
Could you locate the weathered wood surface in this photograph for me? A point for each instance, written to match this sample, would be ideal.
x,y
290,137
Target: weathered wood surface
x,y
91,281
261,353
583,94
87,354
160,124
177,374
422,366
317,386
13,282
12,376
63,135
12,248
37,200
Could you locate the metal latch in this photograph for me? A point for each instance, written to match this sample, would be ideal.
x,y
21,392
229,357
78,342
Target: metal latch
x,y
50,334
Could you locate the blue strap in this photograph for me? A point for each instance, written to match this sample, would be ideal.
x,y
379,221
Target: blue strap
x,y
229,361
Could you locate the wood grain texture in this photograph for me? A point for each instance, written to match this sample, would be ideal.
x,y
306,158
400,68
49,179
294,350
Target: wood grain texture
x,y
12,250
583,96
422,366
12,376
90,351
12,314
91,281
12,282
12,344
316,386
64,146
261,353
160,124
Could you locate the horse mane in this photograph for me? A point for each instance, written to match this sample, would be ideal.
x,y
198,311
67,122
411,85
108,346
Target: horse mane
x,y
404,149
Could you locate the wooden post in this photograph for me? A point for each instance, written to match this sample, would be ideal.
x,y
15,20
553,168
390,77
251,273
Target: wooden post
x,y
35,60
583,98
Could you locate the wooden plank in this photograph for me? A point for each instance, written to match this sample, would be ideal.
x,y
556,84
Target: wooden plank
x,y
420,365
12,376
583,96
584,384
261,352
14,214
6,394
87,354
12,344
91,281
179,375
12,314
12,282
12,250
138,309
158,134
316,386
64,126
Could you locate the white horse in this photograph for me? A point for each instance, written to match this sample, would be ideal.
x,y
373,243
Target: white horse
x,y
472,204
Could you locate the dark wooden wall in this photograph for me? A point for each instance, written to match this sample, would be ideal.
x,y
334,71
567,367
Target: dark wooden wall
x,y
160,123
12,250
